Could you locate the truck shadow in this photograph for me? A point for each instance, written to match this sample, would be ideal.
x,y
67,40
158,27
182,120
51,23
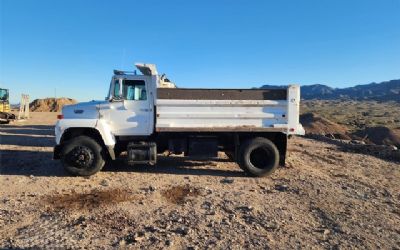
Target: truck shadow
x,y
27,140
40,164
24,162
29,135
26,150
175,166
28,129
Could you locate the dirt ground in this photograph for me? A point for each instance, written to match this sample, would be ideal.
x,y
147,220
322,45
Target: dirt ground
x,y
324,198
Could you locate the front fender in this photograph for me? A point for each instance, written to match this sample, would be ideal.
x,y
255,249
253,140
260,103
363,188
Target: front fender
x,y
64,124
100,126
103,129
106,134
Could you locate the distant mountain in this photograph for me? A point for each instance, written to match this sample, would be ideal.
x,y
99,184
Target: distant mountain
x,y
317,91
14,106
384,91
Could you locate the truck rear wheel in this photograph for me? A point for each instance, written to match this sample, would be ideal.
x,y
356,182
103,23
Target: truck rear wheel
x,y
82,156
259,157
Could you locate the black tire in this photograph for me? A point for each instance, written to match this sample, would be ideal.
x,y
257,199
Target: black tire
x,y
258,157
82,156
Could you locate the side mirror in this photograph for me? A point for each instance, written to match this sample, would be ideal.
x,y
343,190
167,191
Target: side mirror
x,y
116,99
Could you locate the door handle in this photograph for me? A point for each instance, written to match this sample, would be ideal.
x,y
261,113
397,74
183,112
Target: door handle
x,y
145,110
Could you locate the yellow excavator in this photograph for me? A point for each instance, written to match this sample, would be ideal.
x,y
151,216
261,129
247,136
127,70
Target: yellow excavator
x,y
5,115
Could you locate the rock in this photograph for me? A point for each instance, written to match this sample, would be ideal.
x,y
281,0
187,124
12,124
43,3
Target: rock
x,y
357,142
104,183
122,243
326,234
271,225
225,221
182,230
149,189
153,239
281,188
210,212
206,205
138,237
151,229
227,181
169,243
209,191
245,208
81,220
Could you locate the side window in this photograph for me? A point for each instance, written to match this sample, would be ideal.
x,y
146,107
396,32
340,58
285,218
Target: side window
x,y
116,88
134,90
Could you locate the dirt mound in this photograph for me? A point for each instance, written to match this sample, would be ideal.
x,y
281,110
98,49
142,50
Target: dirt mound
x,y
50,104
380,135
316,125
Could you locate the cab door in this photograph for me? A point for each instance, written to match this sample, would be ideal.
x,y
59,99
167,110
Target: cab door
x,y
131,112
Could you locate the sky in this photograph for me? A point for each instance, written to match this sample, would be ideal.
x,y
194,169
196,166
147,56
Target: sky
x,y
70,48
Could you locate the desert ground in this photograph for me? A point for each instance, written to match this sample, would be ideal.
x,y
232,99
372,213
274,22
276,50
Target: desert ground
x,y
324,198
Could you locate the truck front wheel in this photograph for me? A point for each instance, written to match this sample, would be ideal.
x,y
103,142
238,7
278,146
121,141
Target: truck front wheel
x,y
258,157
82,156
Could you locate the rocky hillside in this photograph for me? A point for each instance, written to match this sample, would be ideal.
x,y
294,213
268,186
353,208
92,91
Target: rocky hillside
x,y
384,91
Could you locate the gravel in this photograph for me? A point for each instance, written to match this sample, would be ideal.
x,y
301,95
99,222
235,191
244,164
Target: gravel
x,y
323,198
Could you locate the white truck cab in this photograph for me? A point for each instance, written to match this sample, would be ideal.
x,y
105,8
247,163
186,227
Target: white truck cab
x,y
130,105
145,114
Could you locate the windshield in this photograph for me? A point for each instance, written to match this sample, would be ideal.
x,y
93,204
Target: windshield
x,y
4,94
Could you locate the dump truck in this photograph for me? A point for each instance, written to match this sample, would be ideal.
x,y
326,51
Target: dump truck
x,y
145,115
5,115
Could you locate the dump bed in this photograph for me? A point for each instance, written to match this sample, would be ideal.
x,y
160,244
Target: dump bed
x,y
202,110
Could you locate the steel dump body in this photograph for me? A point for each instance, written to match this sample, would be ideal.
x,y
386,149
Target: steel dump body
x,y
218,110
